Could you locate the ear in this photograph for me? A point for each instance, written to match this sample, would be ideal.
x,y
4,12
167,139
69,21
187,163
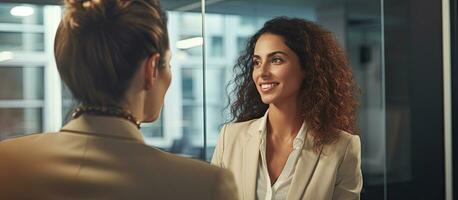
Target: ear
x,y
151,70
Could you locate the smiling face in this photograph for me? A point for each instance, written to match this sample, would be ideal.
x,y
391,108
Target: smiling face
x,y
276,70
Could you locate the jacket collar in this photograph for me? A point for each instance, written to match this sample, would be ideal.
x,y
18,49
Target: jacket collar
x,y
102,126
250,160
305,167
298,141
263,122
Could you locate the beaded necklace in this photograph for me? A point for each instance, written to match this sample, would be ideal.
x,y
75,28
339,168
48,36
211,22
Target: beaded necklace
x,y
105,111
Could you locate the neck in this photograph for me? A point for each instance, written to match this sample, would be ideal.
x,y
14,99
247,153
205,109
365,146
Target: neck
x,y
133,104
284,120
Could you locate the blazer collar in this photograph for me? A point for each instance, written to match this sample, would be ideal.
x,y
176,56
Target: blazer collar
x,y
298,141
113,127
306,165
262,122
250,160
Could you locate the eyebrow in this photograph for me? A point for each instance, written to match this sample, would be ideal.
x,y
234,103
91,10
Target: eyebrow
x,y
271,54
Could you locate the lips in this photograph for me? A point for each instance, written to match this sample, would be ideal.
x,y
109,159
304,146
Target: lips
x,y
267,86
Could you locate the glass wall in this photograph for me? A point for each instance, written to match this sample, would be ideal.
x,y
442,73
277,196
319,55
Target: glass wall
x,y
24,59
33,99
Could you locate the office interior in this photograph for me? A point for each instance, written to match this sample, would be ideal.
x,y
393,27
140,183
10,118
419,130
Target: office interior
x,y
403,55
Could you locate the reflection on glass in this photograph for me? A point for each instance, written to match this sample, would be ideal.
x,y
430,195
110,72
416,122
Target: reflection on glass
x,y
17,121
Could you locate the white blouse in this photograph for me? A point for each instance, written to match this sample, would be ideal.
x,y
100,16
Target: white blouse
x,y
279,190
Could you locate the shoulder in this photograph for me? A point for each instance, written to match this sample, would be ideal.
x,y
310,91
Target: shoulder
x,y
22,151
186,171
240,129
345,138
345,141
24,137
351,144
15,142
242,125
187,164
180,166
232,135
205,178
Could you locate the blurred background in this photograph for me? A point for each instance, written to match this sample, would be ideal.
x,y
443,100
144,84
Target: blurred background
x,y
394,47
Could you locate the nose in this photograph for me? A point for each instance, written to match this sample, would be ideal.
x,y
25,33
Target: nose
x,y
264,69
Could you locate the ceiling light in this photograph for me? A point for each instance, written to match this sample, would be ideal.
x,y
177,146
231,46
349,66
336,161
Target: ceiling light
x,y
6,55
190,42
21,11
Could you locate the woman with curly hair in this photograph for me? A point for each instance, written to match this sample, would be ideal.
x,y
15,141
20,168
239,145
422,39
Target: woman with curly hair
x,y
294,117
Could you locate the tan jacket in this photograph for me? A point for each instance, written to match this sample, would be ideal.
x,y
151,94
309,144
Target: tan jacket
x,y
332,173
103,158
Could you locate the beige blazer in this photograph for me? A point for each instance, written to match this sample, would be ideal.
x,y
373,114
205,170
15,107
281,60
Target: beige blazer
x,y
332,173
103,158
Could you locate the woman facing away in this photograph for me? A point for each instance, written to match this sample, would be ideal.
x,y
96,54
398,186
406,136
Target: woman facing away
x,y
114,57
294,111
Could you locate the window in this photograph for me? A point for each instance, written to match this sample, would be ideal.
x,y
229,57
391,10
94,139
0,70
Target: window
x,y
25,67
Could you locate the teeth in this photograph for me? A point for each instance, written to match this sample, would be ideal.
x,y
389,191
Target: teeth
x,y
267,86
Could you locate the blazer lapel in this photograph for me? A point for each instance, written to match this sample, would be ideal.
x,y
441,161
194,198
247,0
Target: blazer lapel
x,y
305,168
250,161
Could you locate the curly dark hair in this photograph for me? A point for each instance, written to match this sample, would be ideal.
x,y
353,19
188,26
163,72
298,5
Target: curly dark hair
x,y
328,95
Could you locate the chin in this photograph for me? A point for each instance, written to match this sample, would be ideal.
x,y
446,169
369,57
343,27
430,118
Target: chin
x,y
149,119
267,100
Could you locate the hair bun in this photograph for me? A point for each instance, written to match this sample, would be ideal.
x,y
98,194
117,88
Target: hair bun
x,y
88,4
82,13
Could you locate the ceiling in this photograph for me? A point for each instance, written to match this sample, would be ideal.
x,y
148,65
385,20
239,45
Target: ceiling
x,y
355,9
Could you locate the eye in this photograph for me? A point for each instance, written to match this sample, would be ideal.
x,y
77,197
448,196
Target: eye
x,y
277,60
256,63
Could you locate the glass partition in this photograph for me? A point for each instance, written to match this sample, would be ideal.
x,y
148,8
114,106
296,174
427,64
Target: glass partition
x,y
33,99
